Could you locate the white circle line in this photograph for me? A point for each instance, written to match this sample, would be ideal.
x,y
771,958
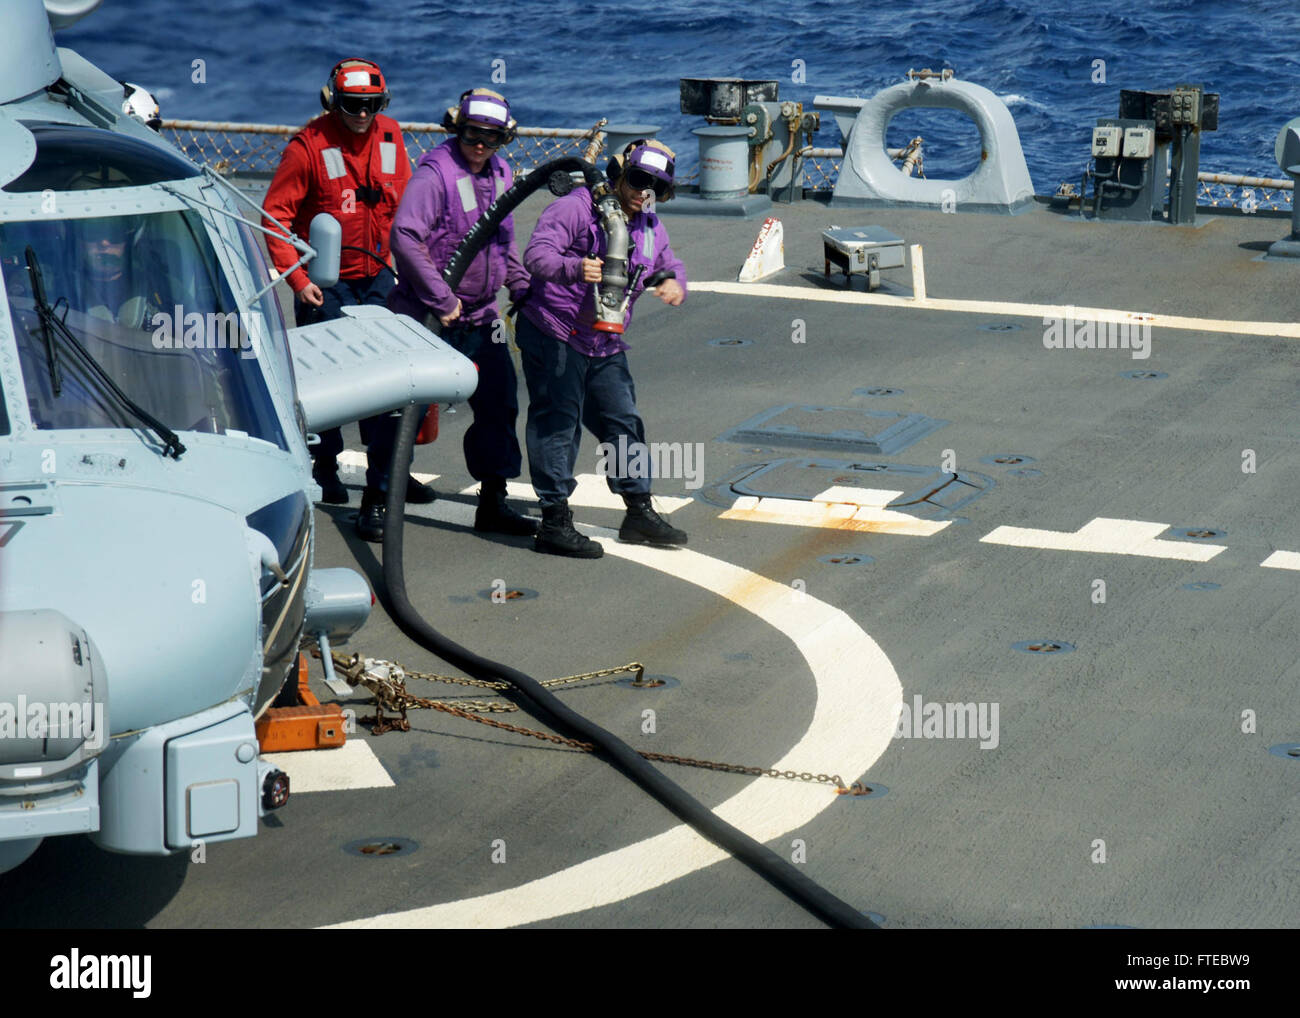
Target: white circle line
x,y
858,699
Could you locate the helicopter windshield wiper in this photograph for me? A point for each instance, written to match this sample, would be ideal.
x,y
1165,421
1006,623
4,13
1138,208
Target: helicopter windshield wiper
x,y
52,325
47,333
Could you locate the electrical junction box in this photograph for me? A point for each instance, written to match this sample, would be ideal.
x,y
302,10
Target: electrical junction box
x,y
1185,106
1126,183
1106,141
1139,143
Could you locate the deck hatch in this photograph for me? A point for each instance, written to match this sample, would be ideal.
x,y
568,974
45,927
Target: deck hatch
x,y
928,492
839,428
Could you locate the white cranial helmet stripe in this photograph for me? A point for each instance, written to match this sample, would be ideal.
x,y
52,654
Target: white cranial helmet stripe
x,y
488,110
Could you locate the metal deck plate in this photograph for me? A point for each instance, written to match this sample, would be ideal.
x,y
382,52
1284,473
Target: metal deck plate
x,y
927,491
842,428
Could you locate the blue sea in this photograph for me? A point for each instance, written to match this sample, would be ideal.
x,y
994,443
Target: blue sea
x,y
1058,65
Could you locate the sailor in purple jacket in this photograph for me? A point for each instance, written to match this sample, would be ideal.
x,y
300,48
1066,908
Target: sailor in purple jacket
x,y
579,376
452,186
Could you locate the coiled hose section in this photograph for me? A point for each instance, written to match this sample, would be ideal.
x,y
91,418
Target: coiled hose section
x,y
526,691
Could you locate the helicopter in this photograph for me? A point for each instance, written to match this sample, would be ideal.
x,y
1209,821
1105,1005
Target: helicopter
x,y
156,523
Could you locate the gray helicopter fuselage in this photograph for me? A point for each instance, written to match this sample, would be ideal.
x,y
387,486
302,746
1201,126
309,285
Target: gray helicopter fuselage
x,y
157,600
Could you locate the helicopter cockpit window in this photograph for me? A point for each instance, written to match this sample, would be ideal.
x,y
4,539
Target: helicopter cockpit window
x,y
147,299
71,158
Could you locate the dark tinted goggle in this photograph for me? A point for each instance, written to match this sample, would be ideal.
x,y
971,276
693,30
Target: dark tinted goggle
x,y
482,136
355,105
640,180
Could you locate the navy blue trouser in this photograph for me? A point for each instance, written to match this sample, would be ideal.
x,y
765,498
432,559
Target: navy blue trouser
x,y
491,444
566,390
378,433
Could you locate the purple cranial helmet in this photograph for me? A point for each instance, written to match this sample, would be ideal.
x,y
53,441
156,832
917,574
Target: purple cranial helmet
x,y
484,110
482,106
649,167
655,158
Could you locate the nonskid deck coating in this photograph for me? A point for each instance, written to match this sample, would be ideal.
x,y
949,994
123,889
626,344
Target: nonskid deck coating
x,y
1134,739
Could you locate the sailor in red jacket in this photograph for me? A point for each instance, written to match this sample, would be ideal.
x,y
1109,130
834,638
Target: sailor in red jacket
x,y
351,162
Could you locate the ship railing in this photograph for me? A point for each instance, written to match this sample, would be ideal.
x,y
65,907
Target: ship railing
x,y
239,149
254,149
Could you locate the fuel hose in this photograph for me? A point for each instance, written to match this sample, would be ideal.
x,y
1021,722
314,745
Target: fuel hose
x,y
526,691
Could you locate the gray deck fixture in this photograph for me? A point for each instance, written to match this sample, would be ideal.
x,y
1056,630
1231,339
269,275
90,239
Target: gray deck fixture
x,y
869,178
1287,152
864,250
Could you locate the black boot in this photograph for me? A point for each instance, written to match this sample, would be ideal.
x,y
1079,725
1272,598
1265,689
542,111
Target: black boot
x,y
642,525
494,516
557,536
326,474
370,520
417,493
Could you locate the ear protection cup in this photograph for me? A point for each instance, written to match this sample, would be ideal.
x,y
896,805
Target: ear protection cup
x,y
614,168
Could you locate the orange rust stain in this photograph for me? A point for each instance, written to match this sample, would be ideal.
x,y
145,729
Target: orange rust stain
x,y
825,522
793,560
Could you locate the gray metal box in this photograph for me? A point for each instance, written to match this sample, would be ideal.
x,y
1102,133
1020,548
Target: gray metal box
x,y
864,249
212,793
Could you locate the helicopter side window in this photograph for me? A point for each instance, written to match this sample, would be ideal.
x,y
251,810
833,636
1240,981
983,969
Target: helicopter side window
x,y
146,297
72,158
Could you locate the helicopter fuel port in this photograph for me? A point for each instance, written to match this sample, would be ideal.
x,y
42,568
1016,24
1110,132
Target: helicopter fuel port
x,y
312,725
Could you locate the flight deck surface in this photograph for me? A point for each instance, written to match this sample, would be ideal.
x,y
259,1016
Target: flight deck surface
x,y
1124,778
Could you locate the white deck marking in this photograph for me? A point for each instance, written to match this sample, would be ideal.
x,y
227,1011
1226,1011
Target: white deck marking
x,y
1290,330
856,509
1282,560
858,700
877,498
592,491
352,765
356,458
1113,537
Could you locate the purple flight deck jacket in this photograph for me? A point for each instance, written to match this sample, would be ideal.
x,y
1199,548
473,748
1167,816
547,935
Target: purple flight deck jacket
x,y
442,201
561,304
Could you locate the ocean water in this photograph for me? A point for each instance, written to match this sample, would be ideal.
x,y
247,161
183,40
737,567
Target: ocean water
x,y
565,64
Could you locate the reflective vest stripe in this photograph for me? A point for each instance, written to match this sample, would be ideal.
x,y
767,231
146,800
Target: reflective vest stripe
x,y
648,244
387,157
333,159
465,186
